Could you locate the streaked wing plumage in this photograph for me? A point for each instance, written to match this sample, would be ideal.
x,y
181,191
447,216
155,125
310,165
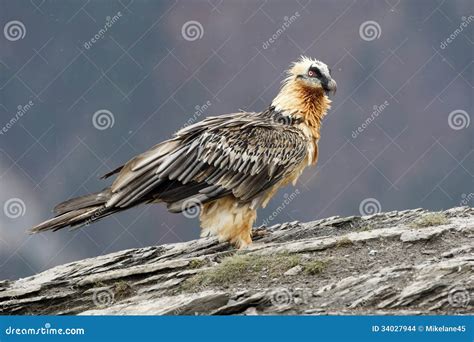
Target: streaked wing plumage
x,y
242,154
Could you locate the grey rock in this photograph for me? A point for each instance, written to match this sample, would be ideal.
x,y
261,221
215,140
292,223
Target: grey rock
x,y
425,270
294,271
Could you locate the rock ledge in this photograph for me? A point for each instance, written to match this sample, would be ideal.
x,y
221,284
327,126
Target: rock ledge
x,y
401,262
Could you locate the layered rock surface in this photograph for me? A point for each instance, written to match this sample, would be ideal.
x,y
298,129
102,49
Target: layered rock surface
x,y
401,262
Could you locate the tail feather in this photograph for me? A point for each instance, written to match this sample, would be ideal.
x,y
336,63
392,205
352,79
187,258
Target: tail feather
x,y
113,172
78,212
82,202
72,218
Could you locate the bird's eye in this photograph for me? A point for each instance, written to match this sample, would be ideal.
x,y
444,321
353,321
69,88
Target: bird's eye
x,y
314,72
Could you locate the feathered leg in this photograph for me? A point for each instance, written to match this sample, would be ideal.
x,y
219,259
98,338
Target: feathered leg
x,y
228,220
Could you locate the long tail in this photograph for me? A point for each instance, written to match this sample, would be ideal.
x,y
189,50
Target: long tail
x,y
78,211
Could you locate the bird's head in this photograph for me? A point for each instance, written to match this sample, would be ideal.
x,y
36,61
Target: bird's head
x,y
306,89
312,74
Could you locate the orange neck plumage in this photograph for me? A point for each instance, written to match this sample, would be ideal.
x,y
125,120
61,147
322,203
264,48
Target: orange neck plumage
x,y
307,103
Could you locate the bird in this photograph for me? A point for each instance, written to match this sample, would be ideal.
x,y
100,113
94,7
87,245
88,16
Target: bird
x,y
223,167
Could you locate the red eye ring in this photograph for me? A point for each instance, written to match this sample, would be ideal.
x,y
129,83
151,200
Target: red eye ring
x,y
311,73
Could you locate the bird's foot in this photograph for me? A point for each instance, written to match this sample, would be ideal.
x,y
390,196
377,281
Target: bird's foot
x,y
260,232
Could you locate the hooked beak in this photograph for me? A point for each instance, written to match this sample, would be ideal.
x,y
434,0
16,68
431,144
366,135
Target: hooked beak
x,y
330,87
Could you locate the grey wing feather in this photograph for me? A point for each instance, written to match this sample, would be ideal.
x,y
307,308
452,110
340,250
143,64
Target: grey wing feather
x,y
243,154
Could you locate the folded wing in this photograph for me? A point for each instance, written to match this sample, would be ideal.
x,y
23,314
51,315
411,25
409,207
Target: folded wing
x,y
242,154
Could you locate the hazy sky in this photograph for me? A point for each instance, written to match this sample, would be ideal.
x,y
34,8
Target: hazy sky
x,y
85,85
